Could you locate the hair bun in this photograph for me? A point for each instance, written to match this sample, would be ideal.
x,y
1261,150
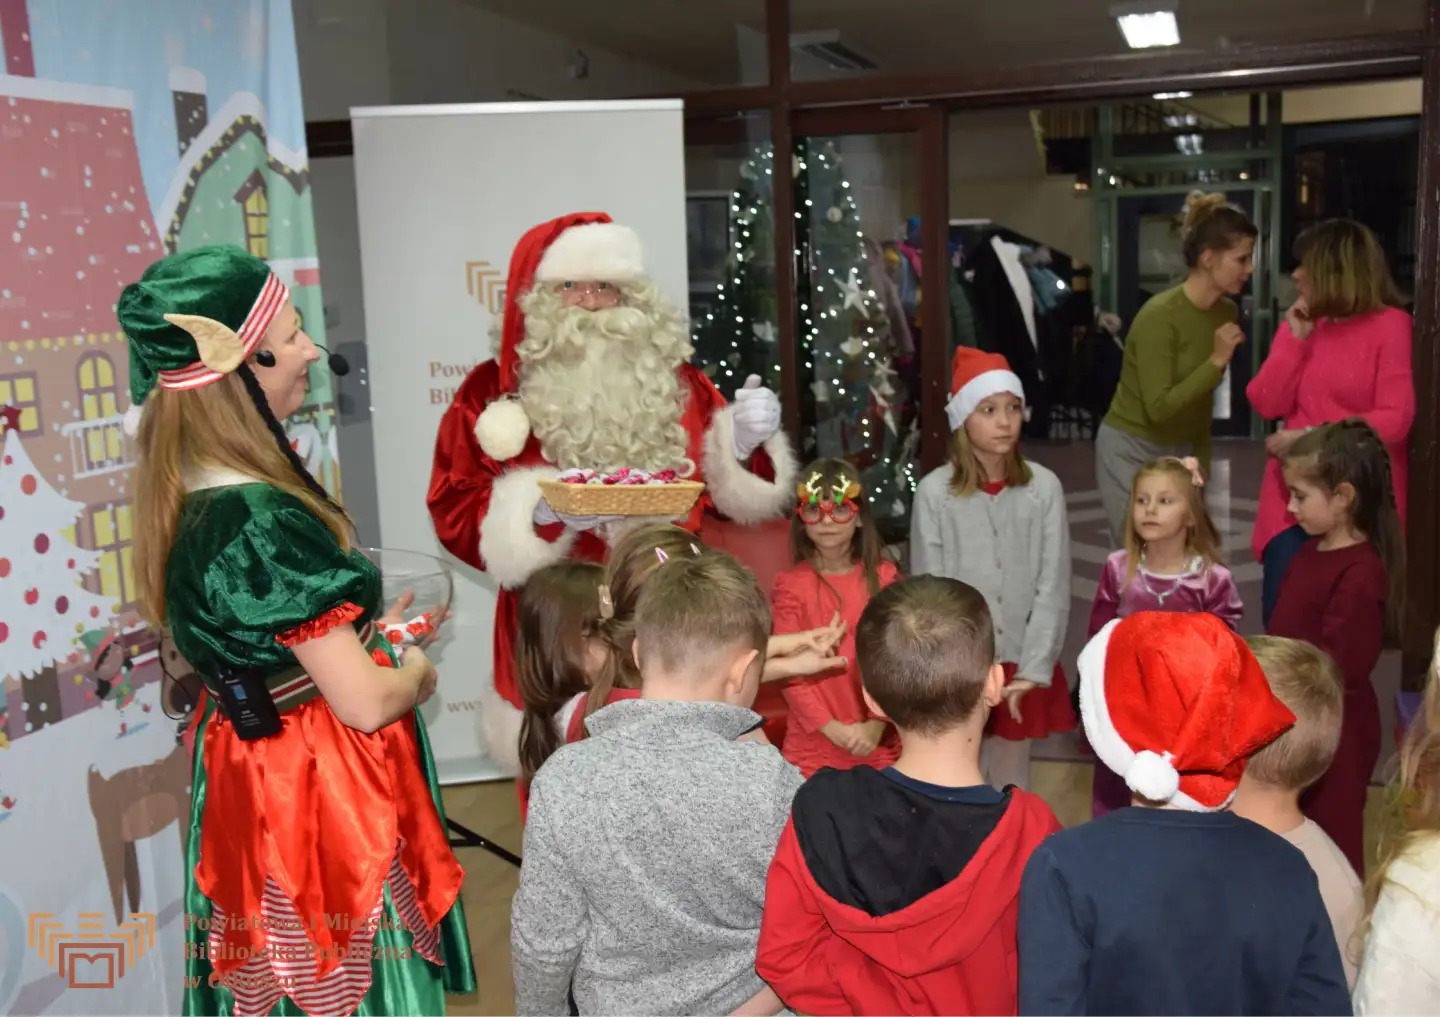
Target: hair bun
x,y
1199,205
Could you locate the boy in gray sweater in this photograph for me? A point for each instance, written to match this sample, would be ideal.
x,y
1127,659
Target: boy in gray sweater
x,y
648,843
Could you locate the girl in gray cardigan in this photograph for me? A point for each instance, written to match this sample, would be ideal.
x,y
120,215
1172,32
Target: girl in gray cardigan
x,y
994,520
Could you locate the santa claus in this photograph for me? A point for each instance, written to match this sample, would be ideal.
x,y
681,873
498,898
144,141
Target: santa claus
x,y
591,370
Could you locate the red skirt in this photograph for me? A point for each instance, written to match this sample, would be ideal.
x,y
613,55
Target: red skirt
x,y
1043,711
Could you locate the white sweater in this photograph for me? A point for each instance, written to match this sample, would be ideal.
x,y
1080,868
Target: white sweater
x,y
1400,968
1014,547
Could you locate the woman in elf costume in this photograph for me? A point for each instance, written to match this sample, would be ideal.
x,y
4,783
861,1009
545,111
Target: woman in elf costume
x,y
320,877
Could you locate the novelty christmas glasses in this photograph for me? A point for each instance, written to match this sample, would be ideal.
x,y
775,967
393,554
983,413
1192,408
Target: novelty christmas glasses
x,y
837,504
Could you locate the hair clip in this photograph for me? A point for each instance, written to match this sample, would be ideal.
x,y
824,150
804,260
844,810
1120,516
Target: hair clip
x,y
1192,465
607,605
695,550
662,556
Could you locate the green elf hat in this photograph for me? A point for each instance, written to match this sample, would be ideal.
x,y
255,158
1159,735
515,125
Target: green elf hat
x,y
195,317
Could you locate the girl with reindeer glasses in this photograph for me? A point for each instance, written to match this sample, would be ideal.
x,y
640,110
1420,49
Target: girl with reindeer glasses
x,y
838,568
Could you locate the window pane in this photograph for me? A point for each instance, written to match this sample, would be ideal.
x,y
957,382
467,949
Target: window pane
x,y
122,514
87,374
105,373
25,389
858,306
127,573
112,443
110,574
6,392
29,419
731,239
95,447
90,406
108,408
104,522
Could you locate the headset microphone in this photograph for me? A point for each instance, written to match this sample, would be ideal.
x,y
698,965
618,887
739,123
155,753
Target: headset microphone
x,y
338,364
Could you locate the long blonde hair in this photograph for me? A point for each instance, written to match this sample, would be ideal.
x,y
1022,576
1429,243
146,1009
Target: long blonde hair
x,y
1202,538
215,426
1414,798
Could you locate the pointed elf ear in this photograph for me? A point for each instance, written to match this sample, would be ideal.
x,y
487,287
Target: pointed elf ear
x,y
221,348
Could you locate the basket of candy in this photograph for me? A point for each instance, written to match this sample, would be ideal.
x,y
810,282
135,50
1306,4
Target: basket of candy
x,y
625,492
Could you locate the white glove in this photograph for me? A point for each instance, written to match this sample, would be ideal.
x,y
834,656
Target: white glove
x,y
756,419
545,515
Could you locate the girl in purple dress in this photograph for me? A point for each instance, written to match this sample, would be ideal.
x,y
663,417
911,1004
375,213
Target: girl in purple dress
x,y
1171,562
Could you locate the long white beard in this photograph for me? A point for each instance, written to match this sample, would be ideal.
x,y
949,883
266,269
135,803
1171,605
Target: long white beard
x,y
600,388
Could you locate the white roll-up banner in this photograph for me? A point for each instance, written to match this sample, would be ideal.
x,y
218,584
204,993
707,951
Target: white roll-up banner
x,y
444,193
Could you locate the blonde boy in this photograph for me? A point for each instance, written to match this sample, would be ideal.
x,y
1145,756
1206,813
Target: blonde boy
x,y
1306,680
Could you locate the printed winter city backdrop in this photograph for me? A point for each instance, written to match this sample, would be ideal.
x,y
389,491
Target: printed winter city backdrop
x,y
127,131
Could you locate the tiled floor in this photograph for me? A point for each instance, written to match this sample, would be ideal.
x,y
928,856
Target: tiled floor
x,y
1061,772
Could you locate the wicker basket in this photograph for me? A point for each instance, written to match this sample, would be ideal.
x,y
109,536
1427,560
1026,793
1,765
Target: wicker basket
x,y
671,500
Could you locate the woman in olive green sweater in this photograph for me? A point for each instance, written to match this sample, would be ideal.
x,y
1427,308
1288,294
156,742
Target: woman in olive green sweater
x,y
1175,354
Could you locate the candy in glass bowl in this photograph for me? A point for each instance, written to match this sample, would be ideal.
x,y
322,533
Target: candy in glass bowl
x,y
415,594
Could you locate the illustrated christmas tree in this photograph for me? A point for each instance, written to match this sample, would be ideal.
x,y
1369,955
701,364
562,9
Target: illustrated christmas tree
x,y
44,607
855,404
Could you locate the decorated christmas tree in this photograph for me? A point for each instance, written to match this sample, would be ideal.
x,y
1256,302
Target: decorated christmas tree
x,y
43,606
855,404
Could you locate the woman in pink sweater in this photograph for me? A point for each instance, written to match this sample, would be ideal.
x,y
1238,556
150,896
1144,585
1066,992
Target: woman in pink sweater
x,y
1343,351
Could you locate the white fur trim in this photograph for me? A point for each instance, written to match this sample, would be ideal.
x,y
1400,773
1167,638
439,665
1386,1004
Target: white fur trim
x,y
509,545
130,424
500,728
977,390
602,251
502,429
734,490
1110,747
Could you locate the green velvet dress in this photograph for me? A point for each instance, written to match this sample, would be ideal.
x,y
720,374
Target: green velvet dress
x,y
319,875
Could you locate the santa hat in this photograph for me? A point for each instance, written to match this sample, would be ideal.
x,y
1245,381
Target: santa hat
x,y
586,246
975,377
1175,703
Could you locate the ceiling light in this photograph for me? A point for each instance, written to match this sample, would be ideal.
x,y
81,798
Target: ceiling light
x,y
1162,96
1147,24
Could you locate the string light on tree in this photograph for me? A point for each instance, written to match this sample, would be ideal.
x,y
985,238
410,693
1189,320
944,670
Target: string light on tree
x,y
849,385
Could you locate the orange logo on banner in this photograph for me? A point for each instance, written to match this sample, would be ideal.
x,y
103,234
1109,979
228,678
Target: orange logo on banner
x,y
90,957
486,285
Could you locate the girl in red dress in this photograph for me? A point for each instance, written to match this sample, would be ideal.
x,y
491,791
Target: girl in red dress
x,y
838,568
1344,592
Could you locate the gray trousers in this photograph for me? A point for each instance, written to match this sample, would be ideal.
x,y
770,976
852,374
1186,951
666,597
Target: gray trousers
x,y
1118,457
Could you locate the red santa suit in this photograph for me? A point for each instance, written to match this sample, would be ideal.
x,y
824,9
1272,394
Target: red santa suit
x,y
484,484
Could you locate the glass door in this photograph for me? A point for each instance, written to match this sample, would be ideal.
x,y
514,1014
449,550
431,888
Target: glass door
x,y
859,268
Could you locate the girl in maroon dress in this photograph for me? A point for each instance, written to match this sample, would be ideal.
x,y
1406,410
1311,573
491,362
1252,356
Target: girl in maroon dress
x,y
838,568
1344,593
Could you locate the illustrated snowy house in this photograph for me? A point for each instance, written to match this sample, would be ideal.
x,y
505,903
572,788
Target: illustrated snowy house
x,y
236,185
77,227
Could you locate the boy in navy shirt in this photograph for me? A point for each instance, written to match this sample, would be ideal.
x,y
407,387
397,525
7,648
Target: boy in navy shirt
x,y
1174,906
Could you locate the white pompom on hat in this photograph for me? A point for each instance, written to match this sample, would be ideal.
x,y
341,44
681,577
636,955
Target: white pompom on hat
x,y
1175,703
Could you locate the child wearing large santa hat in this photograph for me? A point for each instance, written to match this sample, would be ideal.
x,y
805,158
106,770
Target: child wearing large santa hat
x,y
1175,905
995,520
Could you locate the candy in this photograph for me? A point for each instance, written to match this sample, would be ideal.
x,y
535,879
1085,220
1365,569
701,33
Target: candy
x,y
626,477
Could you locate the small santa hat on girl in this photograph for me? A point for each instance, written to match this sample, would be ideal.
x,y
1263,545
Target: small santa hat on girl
x,y
582,246
1175,703
976,376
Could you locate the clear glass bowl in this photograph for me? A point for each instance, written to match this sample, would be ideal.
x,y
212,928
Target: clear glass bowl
x,y
424,578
